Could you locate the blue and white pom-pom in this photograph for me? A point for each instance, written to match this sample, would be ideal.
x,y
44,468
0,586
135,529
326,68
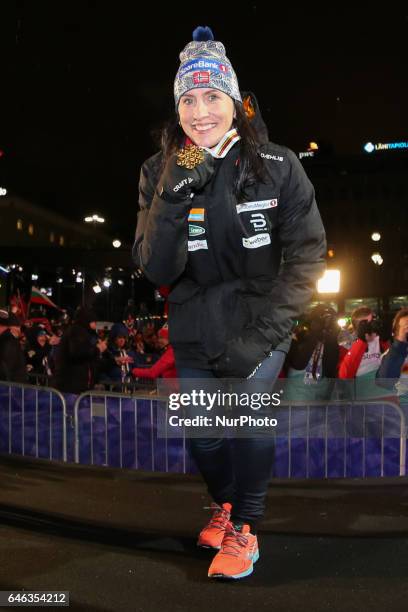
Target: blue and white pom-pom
x,y
201,34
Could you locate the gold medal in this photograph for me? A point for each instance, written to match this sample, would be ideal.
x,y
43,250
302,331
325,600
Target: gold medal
x,y
190,157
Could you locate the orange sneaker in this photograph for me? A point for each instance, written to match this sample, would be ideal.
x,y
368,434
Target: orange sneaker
x,y
239,551
213,533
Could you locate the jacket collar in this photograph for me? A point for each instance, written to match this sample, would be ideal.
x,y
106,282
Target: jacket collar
x,y
224,146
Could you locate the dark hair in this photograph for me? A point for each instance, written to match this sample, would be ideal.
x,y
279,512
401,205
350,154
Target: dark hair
x,y
250,167
400,314
360,313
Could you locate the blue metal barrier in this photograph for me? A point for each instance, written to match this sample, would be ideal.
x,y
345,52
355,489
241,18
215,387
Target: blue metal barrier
x,y
121,431
33,421
314,441
345,439
340,440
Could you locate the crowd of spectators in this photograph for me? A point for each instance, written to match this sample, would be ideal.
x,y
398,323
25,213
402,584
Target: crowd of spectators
x,y
77,355
366,356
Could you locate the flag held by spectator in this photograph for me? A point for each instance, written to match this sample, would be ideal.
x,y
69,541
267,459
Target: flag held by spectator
x,y
40,298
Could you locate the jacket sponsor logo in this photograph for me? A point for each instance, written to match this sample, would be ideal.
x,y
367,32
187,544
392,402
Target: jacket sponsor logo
x,y
258,221
371,356
195,230
196,245
196,214
254,242
182,183
261,205
371,360
274,157
201,77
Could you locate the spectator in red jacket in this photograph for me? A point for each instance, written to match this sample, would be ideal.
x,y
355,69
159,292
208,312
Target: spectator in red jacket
x,y
165,367
363,359
364,356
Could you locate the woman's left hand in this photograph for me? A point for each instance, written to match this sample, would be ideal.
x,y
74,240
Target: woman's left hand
x,y
242,355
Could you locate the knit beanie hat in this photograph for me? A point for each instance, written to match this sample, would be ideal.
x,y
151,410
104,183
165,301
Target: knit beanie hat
x,y
204,64
118,329
40,332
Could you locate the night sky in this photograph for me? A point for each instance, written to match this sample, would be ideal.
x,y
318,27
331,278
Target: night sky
x,y
85,83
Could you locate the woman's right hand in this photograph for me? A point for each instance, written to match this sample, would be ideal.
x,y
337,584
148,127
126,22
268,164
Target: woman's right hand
x,y
177,183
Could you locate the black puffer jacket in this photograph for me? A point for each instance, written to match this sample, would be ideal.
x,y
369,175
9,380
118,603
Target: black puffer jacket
x,y
241,273
12,362
77,356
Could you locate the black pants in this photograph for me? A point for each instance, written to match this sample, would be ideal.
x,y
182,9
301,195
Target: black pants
x,y
237,470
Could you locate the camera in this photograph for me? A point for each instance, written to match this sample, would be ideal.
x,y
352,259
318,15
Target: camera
x,y
369,327
323,318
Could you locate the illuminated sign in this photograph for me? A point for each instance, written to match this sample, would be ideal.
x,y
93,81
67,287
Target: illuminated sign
x,y
311,150
369,147
306,154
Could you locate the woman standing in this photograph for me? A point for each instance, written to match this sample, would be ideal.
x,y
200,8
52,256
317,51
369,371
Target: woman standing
x,y
230,221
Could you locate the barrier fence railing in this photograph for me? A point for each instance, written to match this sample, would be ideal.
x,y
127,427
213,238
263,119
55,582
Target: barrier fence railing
x,y
117,430
33,421
313,440
369,426
353,438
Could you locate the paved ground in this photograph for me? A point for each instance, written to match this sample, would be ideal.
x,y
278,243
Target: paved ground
x,y
121,540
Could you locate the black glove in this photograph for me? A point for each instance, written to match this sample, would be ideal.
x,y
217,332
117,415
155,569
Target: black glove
x,y
177,183
242,355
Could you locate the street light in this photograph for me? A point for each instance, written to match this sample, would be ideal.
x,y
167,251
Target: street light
x,y
116,244
376,236
377,259
94,219
329,282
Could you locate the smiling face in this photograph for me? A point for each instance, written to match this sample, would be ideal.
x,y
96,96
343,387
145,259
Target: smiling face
x,y
206,115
